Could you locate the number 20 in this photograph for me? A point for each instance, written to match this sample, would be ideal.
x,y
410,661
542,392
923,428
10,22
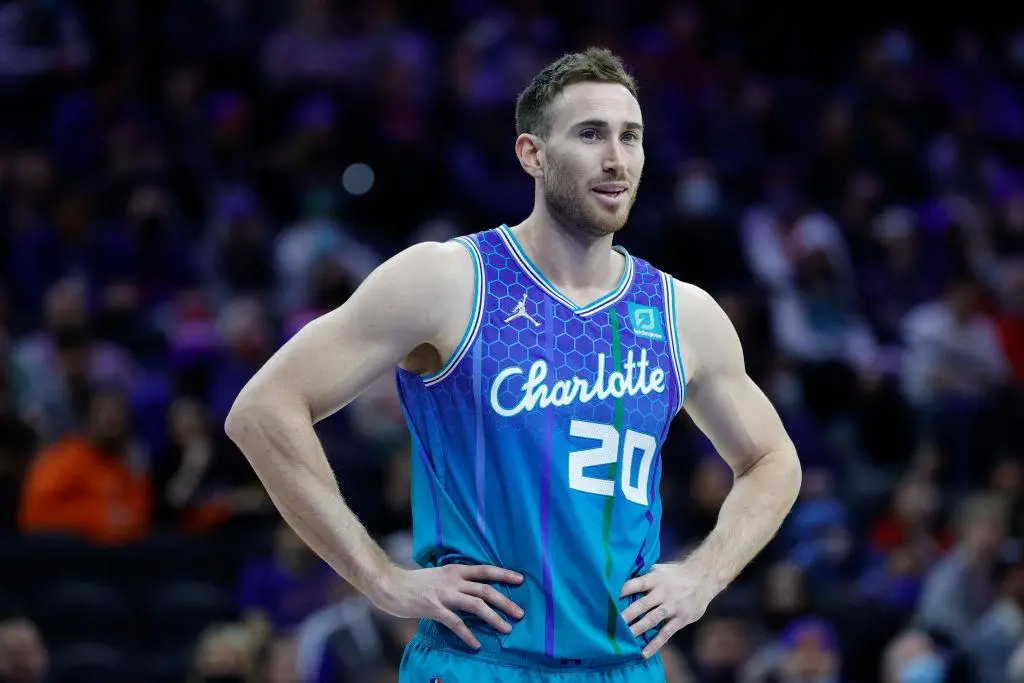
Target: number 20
x,y
608,453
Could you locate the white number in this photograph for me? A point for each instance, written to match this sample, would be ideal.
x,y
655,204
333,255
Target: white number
x,y
647,445
606,454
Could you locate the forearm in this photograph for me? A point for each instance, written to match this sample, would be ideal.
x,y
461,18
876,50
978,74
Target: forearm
x,y
285,452
749,518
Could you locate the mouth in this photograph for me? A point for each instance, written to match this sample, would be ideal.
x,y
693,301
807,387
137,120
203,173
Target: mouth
x,y
611,194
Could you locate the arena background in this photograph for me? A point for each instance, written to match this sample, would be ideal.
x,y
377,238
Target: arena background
x,y
185,183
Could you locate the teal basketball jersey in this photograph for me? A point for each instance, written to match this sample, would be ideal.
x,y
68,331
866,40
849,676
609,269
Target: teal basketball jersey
x,y
537,446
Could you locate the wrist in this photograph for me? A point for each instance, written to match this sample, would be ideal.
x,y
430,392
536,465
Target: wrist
x,y
707,580
382,583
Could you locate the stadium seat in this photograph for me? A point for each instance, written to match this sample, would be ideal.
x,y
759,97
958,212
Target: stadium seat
x,y
90,662
75,610
167,666
166,558
29,565
178,612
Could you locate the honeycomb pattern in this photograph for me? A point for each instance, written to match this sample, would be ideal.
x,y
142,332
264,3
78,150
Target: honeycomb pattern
x,y
467,508
569,343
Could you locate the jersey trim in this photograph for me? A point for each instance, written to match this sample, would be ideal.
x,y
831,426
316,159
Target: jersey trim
x,y
668,284
476,316
531,270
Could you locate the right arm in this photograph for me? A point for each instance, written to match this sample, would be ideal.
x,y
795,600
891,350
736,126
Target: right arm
x,y
412,299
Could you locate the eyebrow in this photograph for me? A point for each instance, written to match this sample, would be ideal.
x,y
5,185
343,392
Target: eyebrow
x,y
599,123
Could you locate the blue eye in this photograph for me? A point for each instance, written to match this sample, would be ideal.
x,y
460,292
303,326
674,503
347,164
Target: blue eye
x,y
589,134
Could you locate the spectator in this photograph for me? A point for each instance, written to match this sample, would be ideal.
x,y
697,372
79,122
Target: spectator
x,y
817,324
95,486
908,275
954,363
809,651
64,359
785,596
913,657
1001,628
199,480
277,593
959,589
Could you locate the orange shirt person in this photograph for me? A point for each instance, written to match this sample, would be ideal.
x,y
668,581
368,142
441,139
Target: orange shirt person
x,y
88,485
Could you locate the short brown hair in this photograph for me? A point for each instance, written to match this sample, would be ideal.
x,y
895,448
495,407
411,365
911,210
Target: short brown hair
x,y
595,64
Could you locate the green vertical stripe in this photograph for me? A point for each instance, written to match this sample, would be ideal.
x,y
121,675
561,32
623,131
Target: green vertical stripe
x,y
613,474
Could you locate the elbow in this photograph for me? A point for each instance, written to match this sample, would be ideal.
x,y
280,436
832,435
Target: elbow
x,y
235,423
259,411
785,469
794,470
244,416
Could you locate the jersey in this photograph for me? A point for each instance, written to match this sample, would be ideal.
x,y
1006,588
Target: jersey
x,y
536,447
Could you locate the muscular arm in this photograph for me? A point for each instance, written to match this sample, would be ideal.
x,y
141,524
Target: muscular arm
x,y
746,431
405,303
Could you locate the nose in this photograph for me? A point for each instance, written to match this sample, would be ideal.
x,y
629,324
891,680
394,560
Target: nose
x,y
614,159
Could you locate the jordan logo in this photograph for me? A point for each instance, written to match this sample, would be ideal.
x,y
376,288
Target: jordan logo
x,y
520,312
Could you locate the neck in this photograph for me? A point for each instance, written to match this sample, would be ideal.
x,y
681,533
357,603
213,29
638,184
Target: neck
x,y
573,260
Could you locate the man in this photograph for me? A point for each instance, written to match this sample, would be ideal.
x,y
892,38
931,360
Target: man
x,y
92,486
539,369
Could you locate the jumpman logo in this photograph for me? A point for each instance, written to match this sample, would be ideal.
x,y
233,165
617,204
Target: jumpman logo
x,y
520,312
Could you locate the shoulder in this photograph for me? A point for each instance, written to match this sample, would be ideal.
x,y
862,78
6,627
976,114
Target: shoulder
x,y
697,312
415,295
441,262
65,454
425,272
707,338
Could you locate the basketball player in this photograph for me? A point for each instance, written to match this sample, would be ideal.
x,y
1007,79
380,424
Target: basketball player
x,y
539,367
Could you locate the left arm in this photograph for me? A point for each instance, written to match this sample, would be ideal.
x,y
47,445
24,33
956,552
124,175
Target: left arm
x,y
747,432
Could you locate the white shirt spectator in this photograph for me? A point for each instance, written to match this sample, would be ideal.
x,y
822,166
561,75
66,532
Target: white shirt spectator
x,y
946,353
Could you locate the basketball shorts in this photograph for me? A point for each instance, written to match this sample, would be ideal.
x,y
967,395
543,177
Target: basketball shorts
x,y
435,655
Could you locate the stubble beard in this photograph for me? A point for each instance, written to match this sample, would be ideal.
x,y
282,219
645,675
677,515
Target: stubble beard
x,y
574,212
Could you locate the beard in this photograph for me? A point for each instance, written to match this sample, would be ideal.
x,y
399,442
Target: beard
x,y
574,211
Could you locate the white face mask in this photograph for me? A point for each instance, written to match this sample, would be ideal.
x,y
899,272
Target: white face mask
x,y
924,669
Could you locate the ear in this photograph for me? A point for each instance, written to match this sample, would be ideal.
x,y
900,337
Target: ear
x,y
530,150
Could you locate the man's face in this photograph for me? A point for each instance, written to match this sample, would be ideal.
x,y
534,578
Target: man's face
x,y
593,157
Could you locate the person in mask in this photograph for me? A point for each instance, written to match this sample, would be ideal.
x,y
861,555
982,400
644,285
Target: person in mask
x,y
91,485
913,657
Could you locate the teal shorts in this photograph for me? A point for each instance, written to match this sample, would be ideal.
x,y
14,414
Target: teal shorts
x,y
435,655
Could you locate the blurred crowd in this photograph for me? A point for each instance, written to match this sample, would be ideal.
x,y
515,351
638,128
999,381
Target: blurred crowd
x,y
184,184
